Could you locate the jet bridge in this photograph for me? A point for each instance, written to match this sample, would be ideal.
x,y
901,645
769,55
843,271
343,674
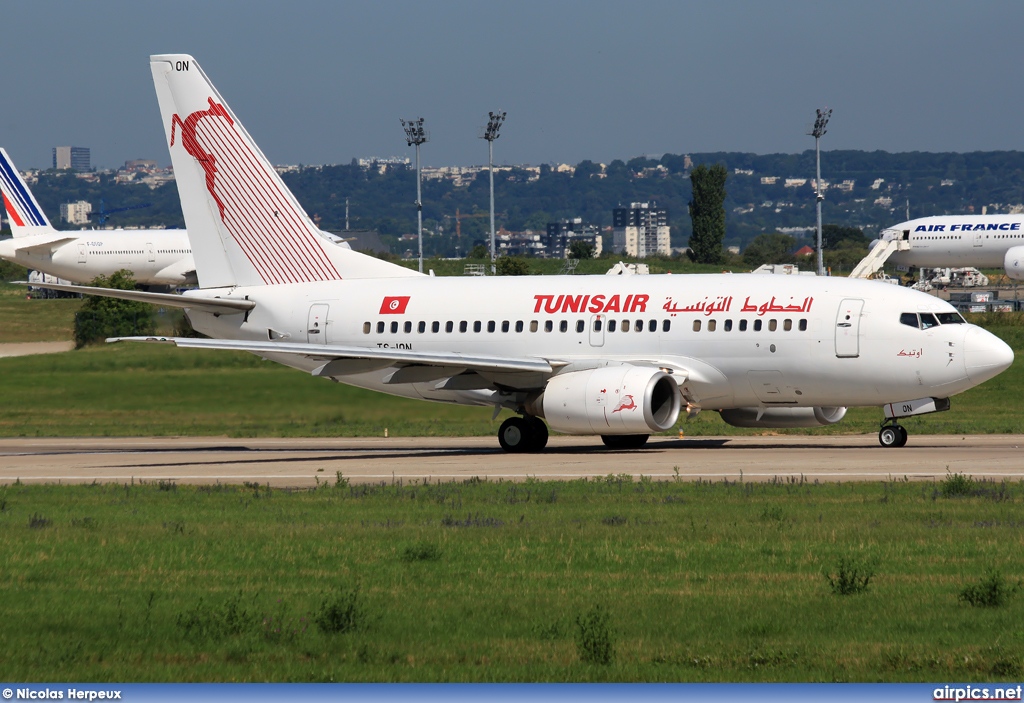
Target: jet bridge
x,y
890,242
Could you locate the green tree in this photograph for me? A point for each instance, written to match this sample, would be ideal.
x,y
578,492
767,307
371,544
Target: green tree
x,y
833,236
479,252
513,266
769,249
581,249
100,318
707,212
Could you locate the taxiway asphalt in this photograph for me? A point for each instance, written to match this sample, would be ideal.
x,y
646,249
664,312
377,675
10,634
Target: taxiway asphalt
x,y
286,462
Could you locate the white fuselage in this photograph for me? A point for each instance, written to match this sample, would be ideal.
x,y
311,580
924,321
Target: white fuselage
x,y
741,340
955,241
155,257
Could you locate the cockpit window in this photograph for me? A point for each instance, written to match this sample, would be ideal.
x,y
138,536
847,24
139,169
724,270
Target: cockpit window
x,y
951,318
928,320
909,319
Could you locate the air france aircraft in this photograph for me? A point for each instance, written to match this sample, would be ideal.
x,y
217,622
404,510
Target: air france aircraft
x,y
617,356
982,241
160,257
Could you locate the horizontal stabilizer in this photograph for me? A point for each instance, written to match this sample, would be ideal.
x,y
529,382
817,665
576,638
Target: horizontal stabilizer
x,y
398,357
218,306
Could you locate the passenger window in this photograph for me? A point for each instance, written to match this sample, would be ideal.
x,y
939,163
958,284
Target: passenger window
x,y
909,319
519,325
597,324
757,325
611,325
435,327
639,326
928,320
743,325
652,326
666,325
696,325
463,326
490,325
422,327
533,325
712,324
504,325
787,325
449,326
563,326
728,326
408,327
803,325
394,327
367,327
548,325
773,325
380,328
477,326
625,326
580,325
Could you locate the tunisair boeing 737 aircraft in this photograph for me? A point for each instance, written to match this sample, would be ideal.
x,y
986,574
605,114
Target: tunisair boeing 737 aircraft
x,y
620,357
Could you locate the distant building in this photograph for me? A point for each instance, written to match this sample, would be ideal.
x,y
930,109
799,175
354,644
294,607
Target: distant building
x,y
140,165
641,230
561,235
74,157
76,213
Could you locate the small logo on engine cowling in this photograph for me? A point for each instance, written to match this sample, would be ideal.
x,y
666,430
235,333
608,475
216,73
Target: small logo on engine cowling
x,y
626,403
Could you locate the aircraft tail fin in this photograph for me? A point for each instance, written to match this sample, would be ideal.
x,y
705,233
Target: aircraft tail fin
x,y
245,226
23,212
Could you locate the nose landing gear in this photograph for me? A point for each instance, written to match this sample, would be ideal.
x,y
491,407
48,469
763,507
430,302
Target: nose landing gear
x,y
892,435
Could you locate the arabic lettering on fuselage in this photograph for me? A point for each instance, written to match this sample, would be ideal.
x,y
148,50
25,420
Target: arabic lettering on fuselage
x,y
914,353
708,306
773,306
971,227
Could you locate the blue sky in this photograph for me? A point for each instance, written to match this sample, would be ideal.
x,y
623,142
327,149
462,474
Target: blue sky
x,y
323,82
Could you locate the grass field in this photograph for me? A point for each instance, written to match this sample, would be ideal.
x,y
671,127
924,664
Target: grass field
x,y
482,581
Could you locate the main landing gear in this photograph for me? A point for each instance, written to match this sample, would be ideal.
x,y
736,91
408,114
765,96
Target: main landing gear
x,y
892,435
523,434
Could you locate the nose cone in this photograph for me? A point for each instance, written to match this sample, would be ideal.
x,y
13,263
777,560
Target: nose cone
x,y
985,355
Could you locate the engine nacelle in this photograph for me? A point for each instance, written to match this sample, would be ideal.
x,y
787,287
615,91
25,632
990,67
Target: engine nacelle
x,y
1013,262
782,417
611,400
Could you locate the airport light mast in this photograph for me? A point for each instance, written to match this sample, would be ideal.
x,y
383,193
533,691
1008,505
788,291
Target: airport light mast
x,y
817,131
414,136
490,134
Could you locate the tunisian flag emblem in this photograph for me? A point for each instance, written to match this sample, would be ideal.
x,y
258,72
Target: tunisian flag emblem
x,y
394,304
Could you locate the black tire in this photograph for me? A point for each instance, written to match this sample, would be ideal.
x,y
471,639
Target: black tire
x,y
515,435
903,435
624,441
540,434
889,436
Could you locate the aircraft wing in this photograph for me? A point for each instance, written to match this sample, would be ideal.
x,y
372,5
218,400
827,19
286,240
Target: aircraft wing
x,y
219,306
413,366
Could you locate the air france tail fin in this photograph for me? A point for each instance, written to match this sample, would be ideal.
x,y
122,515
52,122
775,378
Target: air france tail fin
x,y
245,226
23,212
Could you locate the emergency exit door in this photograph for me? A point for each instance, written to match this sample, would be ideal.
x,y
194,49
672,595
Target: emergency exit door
x,y
848,328
316,327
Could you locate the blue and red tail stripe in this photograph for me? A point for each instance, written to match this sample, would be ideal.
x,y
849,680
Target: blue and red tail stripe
x,y
21,206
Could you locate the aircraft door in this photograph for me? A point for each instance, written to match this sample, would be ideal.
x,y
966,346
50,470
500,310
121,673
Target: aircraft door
x,y
150,252
597,325
977,239
316,327
81,253
848,328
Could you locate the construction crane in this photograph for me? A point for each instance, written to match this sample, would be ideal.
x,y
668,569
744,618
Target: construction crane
x,y
102,214
459,217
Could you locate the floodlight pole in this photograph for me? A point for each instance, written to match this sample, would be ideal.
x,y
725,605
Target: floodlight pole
x,y
414,136
817,131
490,134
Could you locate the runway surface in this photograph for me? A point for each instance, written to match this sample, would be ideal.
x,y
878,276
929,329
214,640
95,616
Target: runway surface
x,y
304,462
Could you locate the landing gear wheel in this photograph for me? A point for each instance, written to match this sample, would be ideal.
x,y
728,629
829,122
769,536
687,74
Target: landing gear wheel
x,y
624,441
538,432
892,436
514,435
903,435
